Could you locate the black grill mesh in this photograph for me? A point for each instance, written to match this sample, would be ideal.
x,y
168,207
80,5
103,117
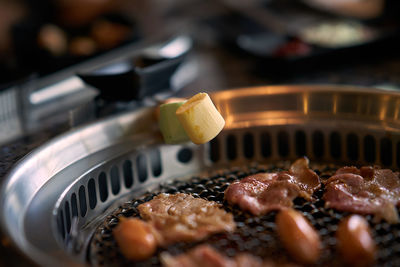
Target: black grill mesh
x,y
254,234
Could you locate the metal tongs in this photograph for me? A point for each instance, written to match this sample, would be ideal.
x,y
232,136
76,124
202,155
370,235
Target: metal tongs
x,y
127,74
140,75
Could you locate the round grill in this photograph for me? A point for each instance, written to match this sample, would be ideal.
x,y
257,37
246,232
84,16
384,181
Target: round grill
x,y
56,198
254,234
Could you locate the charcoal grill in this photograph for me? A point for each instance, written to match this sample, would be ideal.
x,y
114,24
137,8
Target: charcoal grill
x,y
56,198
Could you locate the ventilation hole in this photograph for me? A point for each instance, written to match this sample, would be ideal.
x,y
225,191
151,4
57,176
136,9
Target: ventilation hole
x,y
92,193
283,144
141,167
386,151
61,224
67,216
128,175
335,143
369,149
352,146
114,177
248,145
318,144
82,201
265,140
398,154
155,159
214,150
300,140
231,147
74,205
103,187
185,155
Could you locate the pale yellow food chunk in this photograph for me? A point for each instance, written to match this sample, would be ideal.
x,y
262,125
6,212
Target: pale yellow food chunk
x,y
200,118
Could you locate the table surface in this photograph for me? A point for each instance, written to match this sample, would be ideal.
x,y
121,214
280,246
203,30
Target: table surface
x,y
218,68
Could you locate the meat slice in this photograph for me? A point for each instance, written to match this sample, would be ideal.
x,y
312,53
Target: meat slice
x,y
367,190
181,217
304,177
204,255
264,192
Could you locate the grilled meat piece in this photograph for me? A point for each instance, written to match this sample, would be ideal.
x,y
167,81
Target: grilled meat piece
x,y
305,178
181,217
367,190
298,236
135,238
355,242
205,255
264,192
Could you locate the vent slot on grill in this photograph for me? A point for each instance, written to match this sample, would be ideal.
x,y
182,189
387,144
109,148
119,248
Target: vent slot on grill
x,y
92,193
103,188
60,223
141,167
283,144
114,177
318,144
266,145
128,174
214,150
231,147
74,205
352,147
67,216
82,201
369,149
398,154
335,145
248,145
301,145
386,151
155,159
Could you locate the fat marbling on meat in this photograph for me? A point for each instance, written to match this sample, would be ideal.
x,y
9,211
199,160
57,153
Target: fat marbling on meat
x,y
181,217
263,192
368,190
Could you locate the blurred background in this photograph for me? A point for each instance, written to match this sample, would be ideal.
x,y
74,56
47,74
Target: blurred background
x,y
67,62
276,39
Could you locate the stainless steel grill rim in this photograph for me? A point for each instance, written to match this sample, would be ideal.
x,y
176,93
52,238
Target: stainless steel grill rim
x,y
65,188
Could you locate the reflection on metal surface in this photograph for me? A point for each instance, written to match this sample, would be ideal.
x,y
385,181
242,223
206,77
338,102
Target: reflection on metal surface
x,y
336,34
52,105
185,74
174,48
305,104
116,68
57,90
397,110
383,111
335,103
10,121
322,102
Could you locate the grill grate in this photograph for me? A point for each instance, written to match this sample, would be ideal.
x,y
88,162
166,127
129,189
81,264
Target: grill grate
x,y
254,234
